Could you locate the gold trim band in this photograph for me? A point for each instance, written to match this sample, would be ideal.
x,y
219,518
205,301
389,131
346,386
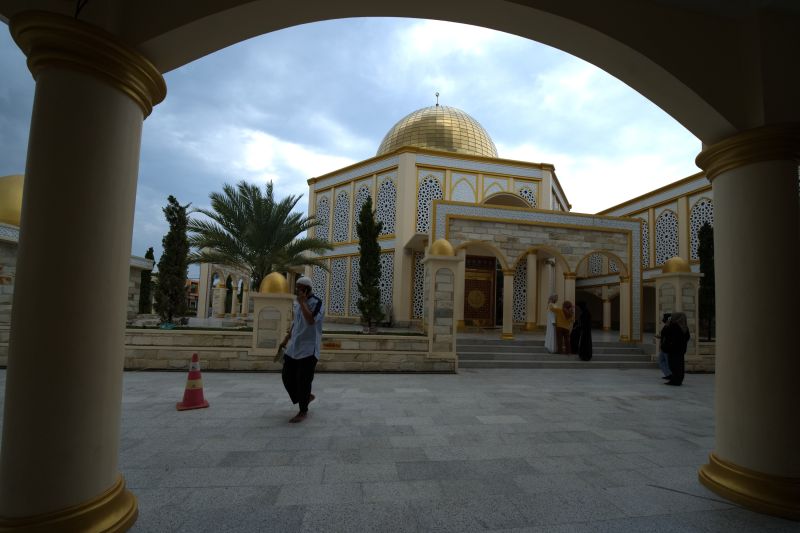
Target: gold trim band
x,y
763,493
768,143
114,510
50,40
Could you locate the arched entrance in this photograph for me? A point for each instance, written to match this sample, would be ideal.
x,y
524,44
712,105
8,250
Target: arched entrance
x,y
109,65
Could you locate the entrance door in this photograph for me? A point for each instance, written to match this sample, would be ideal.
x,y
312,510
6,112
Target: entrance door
x,y
479,291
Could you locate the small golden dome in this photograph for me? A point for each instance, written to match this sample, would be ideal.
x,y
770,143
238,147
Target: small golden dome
x,y
439,128
11,199
273,283
676,264
442,247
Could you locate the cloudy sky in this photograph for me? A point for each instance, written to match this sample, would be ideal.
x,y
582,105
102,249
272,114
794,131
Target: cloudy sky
x,y
308,100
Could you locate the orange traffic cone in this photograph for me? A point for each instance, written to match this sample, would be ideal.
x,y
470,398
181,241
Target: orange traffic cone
x,y
193,395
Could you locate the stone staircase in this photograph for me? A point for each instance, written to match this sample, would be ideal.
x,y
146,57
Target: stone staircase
x,y
530,353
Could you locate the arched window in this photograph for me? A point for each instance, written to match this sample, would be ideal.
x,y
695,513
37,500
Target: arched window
x,y
666,237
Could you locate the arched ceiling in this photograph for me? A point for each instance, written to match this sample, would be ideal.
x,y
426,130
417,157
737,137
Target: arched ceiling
x,y
716,67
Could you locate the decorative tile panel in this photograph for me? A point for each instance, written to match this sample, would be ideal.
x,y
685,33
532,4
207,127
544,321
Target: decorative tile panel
x,y
479,166
338,280
323,214
666,237
363,193
595,264
356,172
387,206
702,212
387,278
417,298
355,294
341,217
463,188
319,280
430,189
645,244
520,301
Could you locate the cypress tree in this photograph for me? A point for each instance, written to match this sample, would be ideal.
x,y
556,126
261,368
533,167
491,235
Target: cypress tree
x,y
369,303
145,298
705,251
173,264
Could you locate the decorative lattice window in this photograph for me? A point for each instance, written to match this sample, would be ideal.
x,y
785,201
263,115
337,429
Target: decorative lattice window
x,y
386,208
429,190
355,294
702,212
612,266
323,217
520,301
529,195
666,237
341,217
362,195
387,277
338,286
645,244
319,279
595,264
417,298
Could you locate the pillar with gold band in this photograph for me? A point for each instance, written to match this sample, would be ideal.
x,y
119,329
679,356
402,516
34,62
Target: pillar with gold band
x,y
756,251
58,463
508,304
754,176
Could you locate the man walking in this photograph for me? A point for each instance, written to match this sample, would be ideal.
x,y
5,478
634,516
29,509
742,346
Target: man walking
x,y
302,342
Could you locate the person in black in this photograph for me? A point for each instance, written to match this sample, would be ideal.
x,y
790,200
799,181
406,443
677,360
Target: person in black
x,y
674,338
663,361
585,338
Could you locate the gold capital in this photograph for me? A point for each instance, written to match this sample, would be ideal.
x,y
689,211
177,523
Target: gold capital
x,y
50,40
767,143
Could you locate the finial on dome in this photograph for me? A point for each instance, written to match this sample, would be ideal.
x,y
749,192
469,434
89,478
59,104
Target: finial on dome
x,y
437,98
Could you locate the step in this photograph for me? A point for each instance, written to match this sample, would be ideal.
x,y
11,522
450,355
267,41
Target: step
x,y
633,350
593,364
548,357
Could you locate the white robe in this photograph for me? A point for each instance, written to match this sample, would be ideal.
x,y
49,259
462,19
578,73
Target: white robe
x,y
550,333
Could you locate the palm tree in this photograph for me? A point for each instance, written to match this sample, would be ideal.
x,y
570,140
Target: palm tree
x,y
253,232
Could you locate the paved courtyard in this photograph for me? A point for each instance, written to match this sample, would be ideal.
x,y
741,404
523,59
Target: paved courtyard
x,y
483,450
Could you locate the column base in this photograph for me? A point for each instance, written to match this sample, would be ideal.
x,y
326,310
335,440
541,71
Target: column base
x,y
763,493
507,336
114,510
460,326
606,328
530,326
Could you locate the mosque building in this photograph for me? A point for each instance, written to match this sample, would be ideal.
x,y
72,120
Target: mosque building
x,y
437,175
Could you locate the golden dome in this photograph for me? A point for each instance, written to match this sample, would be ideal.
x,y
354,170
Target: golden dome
x,y
11,199
439,128
274,283
676,264
442,247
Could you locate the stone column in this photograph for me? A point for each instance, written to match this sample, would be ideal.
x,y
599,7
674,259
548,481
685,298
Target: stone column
x,y
569,287
461,274
218,300
235,302
508,304
606,298
624,308
272,315
245,300
532,292
756,253
58,465
441,265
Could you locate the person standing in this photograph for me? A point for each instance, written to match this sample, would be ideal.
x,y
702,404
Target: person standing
x,y
564,320
585,338
550,332
302,347
663,362
674,340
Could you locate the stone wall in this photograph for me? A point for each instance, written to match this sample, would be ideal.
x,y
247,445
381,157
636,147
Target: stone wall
x,y
705,360
8,271
171,349
514,239
134,288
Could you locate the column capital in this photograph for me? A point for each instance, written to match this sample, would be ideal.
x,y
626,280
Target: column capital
x,y
49,40
570,275
774,142
624,279
509,272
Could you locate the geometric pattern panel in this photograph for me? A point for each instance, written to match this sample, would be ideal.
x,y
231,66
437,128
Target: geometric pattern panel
x,y
387,206
529,195
341,217
429,190
355,272
319,280
338,286
323,217
595,265
387,277
645,244
612,266
364,193
520,291
702,212
419,280
666,237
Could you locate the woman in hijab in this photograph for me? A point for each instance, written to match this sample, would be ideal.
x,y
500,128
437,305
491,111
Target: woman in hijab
x,y
674,339
585,339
